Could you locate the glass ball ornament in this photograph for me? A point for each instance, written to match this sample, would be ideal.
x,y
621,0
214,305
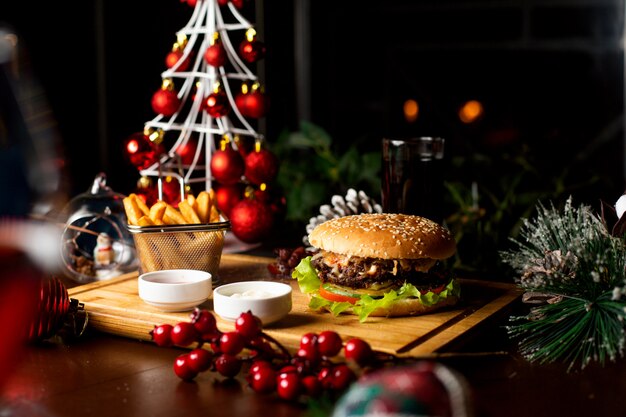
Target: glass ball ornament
x,y
95,243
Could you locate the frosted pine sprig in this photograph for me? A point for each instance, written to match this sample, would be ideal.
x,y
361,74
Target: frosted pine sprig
x,y
571,258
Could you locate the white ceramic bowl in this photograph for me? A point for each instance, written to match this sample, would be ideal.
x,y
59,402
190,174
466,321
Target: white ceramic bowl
x,y
175,289
269,301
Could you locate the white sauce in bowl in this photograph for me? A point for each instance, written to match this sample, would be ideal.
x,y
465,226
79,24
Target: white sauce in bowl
x,y
252,294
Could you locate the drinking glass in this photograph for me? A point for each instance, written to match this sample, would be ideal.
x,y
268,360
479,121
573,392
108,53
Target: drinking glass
x,y
412,176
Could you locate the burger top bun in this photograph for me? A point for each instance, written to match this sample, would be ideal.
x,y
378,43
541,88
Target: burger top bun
x,y
385,236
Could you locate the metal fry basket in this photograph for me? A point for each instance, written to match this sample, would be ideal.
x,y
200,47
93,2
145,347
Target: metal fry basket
x,y
189,246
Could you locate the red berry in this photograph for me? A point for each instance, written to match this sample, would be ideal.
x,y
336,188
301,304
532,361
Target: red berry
x,y
261,345
358,351
228,365
182,368
199,359
342,377
263,380
309,353
289,386
258,364
248,325
286,370
329,343
232,343
307,340
312,386
184,334
162,335
204,321
325,377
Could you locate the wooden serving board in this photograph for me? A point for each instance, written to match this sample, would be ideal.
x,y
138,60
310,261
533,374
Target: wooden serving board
x,y
114,307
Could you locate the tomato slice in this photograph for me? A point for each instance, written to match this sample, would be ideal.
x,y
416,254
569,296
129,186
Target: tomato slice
x,y
331,296
438,289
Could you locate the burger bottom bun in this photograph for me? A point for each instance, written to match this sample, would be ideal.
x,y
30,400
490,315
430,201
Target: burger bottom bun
x,y
410,307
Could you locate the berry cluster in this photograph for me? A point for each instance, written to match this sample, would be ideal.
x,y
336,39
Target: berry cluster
x,y
286,260
271,368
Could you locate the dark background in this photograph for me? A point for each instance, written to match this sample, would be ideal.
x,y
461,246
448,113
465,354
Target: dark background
x,y
550,75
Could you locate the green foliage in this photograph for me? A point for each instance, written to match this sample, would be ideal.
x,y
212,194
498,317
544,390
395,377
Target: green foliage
x,y
489,195
313,169
570,261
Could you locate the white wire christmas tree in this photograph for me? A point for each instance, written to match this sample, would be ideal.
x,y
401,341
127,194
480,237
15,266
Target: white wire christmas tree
x,y
208,94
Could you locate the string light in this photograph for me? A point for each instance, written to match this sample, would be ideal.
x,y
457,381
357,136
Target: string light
x,y
471,111
411,110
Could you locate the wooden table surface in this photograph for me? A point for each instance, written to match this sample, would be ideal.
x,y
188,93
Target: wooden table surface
x,y
103,374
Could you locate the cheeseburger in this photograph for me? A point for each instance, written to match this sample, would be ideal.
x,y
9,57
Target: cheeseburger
x,y
379,265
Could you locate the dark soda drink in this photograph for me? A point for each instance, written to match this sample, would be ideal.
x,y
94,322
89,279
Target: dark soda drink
x,y
412,177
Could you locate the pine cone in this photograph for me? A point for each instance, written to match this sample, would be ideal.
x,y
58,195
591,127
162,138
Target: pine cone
x,y
353,203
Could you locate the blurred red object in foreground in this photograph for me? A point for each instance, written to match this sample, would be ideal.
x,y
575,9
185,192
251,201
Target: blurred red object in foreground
x,y
19,284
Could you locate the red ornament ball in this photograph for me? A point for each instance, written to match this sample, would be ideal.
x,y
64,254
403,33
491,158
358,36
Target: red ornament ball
x,y
251,220
253,104
52,309
227,166
252,51
261,166
187,151
141,151
173,57
216,104
215,55
165,102
227,196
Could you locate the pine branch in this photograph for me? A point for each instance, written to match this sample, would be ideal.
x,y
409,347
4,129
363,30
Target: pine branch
x,y
572,258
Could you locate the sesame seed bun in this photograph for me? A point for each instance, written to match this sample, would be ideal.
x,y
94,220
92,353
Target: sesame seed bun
x,y
385,236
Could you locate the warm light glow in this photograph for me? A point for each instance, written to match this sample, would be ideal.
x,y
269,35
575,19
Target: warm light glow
x,y
411,110
471,111
132,146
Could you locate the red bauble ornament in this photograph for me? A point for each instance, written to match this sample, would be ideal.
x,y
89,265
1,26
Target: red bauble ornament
x,y
222,2
171,190
252,51
191,3
252,104
173,57
227,166
237,3
261,166
165,101
187,151
216,104
275,199
53,308
141,151
215,55
227,196
251,220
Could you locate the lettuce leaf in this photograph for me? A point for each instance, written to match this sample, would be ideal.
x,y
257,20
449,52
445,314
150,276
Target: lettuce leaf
x,y
309,283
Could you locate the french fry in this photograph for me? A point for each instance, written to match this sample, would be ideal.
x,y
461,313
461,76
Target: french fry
x,y
133,212
203,206
145,221
191,199
141,204
156,212
188,212
215,215
174,215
